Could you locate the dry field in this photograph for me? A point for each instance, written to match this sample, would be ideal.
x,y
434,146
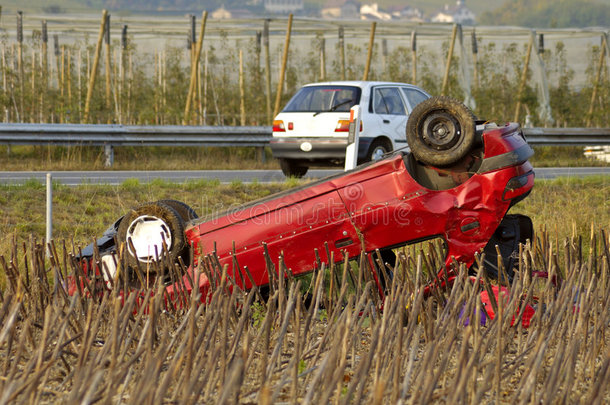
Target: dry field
x,y
319,339
323,339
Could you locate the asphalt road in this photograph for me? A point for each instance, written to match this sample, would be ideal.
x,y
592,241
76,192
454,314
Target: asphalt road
x,y
73,178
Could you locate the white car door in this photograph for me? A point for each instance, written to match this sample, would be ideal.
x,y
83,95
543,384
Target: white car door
x,y
391,114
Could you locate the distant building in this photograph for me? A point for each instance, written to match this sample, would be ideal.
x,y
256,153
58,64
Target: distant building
x,y
340,9
283,6
221,13
372,12
458,14
406,13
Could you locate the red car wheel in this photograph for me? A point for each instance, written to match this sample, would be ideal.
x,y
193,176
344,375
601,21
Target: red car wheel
x,y
441,131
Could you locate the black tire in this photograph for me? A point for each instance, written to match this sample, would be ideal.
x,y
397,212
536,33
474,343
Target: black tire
x,y
153,216
184,210
378,148
290,168
514,229
441,131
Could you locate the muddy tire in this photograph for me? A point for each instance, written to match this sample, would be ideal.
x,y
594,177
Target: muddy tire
x,y
184,210
441,131
143,231
290,168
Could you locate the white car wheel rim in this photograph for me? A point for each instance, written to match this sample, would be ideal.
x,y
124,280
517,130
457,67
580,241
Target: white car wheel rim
x,y
147,234
378,153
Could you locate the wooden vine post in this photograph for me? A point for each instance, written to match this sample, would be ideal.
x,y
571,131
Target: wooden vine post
x,y
44,69
369,55
93,73
322,59
475,61
449,58
342,51
602,55
69,75
194,68
122,68
20,61
242,91
62,66
280,84
267,71
523,80
108,62
414,57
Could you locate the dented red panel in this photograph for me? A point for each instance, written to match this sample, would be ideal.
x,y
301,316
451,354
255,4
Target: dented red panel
x,y
502,140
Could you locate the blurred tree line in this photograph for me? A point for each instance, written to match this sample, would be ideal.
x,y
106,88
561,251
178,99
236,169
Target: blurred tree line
x,y
549,13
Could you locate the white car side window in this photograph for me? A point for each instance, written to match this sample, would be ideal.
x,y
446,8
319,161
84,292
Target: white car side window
x,y
387,100
414,96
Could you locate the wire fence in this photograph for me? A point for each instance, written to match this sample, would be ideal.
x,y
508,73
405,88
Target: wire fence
x,y
551,77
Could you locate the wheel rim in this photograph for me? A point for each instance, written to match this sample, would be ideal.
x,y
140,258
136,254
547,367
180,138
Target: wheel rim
x,y
441,131
147,234
378,153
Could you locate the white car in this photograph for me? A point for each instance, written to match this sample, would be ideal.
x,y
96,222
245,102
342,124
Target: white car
x,y
600,152
312,128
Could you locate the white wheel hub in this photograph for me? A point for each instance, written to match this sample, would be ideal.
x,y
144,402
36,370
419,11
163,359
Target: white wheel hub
x,y
147,234
378,153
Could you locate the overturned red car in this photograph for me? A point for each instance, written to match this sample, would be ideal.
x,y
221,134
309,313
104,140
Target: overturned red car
x,y
457,183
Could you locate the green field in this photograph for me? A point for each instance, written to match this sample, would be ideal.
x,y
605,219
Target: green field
x,y
563,206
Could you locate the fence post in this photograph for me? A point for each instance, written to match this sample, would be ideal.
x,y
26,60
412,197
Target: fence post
x,y
369,55
342,51
267,70
523,77
414,57
49,218
322,59
384,56
96,61
108,62
194,65
278,95
600,65
544,106
45,69
449,57
475,62
242,91
20,62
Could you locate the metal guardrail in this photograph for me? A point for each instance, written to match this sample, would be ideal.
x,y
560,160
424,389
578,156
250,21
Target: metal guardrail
x,y
257,136
567,136
127,135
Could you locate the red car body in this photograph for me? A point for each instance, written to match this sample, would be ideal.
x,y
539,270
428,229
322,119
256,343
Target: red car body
x,y
380,205
376,206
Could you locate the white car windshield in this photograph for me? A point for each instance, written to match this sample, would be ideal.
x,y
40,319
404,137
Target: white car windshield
x,y
324,98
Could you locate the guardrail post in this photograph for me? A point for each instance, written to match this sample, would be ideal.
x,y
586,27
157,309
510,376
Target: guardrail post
x,y
261,154
109,153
